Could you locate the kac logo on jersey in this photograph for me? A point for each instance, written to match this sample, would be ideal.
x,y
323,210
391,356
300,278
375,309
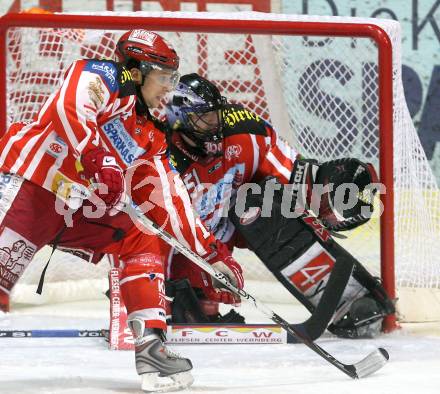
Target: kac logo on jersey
x,y
126,147
57,147
232,151
106,70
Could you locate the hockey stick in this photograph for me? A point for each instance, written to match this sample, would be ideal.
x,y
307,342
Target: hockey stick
x,y
370,364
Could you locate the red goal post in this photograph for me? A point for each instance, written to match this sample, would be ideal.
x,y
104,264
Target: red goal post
x,y
268,25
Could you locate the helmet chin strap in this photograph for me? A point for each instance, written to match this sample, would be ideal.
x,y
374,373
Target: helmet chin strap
x,y
188,141
197,149
189,146
141,106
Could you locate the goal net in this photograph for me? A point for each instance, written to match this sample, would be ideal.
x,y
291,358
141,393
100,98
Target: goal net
x,y
331,86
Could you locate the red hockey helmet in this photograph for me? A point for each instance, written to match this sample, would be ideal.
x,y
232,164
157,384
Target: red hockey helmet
x,y
148,48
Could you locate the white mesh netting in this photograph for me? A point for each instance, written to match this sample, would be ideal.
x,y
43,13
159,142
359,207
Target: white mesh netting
x,y
321,93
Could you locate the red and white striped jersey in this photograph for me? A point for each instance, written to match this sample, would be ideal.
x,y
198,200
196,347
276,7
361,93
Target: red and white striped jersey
x,y
252,151
157,189
94,107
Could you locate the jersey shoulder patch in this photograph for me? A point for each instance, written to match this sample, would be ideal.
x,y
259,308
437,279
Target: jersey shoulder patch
x,y
115,76
239,120
106,70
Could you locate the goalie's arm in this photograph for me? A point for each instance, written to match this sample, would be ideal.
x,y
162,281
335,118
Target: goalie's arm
x,y
275,156
318,185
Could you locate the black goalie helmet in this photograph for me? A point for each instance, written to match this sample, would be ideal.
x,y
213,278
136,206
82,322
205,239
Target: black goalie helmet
x,y
196,111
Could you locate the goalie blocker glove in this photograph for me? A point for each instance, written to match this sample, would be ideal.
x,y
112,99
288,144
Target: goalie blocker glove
x,y
340,192
100,167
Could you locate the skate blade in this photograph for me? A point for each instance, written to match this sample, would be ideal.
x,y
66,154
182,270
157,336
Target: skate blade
x,y
152,382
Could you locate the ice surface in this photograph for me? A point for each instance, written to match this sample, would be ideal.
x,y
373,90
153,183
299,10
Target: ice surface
x,y
84,365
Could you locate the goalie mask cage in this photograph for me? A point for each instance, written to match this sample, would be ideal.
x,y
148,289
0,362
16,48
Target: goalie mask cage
x,y
330,85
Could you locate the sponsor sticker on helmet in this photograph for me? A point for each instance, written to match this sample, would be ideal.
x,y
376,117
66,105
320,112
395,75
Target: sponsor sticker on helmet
x,y
143,37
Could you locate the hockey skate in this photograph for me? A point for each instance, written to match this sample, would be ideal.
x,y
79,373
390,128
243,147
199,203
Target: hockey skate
x,y
160,369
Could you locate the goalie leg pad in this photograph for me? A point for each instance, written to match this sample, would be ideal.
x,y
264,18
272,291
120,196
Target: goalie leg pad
x,y
305,259
300,260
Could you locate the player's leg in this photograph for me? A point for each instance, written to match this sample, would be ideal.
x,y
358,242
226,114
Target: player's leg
x,y
143,290
141,261
90,238
28,221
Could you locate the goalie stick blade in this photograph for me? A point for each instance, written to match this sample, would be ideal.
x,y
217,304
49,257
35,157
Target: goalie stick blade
x,y
370,364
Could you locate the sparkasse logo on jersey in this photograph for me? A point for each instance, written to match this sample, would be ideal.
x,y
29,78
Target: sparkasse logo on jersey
x,y
127,148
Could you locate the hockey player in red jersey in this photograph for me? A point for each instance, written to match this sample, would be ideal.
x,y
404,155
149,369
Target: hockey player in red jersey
x,y
62,180
217,147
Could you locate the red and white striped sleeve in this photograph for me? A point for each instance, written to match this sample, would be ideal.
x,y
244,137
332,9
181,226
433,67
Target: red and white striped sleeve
x,y
275,156
160,193
84,94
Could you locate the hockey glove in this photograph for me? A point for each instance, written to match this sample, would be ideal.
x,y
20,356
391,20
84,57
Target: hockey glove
x,y
100,166
329,204
336,212
223,262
